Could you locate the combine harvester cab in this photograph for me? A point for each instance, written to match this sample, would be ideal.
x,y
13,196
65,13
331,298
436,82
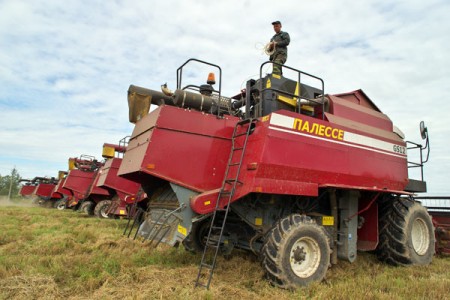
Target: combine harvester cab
x,y
300,178
126,194
81,181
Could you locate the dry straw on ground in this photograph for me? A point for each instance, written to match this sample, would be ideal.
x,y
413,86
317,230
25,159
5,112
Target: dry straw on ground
x,y
50,254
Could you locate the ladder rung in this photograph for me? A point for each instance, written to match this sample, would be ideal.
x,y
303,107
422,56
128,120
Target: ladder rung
x,y
201,284
245,121
212,246
240,134
234,164
216,227
238,148
233,180
208,266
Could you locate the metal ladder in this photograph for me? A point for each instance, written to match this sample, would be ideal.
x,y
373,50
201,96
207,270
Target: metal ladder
x,y
229,185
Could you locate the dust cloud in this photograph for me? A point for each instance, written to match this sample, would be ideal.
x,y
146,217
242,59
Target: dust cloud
x,y
23,202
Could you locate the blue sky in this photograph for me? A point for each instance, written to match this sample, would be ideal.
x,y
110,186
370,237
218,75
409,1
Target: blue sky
x,y
65,66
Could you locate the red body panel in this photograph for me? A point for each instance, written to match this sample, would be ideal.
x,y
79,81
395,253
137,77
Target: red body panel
x,y
124,188
61,191
97,193
186,147
283,156
27,190
108,178
44,190
80,183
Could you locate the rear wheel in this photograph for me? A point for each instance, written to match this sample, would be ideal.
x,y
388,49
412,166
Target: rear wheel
x,y
406,233
296,252
101,209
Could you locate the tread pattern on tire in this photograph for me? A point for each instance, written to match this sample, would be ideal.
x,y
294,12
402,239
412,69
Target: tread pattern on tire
x,y
88,207
195,240
98,208
394,217
274,246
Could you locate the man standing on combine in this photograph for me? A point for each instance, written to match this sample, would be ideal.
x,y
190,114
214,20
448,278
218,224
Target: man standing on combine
x,y
278,44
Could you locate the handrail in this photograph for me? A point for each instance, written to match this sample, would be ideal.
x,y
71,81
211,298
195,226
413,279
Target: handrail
x,y
300,73
180,75
420,164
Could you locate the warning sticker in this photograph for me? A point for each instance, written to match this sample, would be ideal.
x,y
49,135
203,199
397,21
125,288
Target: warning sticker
x,y
327,221
182,230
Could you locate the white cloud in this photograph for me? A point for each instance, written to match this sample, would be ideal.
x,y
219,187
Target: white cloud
x,y
65,67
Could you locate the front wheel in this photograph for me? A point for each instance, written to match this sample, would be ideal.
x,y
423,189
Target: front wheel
x,y
88,207
61,204
296,252
406,233
101,209
196,240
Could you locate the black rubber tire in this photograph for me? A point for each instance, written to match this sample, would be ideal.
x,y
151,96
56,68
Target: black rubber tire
x,y
196,240
101,208
88,207
61,204
406,232
76,207
300,237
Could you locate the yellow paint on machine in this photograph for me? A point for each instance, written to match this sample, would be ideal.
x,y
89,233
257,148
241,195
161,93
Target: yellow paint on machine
x,y
122,212
327,221
258,221
108,152
288,100
182,230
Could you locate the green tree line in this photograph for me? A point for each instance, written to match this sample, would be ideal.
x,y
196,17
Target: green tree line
x,y
5,184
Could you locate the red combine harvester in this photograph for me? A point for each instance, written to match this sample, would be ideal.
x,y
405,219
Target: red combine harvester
x,y
43,188
300,178
27,189
124,192
439,209
60,193
48,190
81,181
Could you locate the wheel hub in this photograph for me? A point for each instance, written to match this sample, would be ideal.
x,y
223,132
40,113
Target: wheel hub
x,y
104,213
299,255
420,236
305,257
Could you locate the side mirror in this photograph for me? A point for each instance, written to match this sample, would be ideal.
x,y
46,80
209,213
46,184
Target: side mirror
x,y
423,130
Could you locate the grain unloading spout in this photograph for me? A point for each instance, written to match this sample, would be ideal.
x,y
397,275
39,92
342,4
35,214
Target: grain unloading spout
x,y
140,99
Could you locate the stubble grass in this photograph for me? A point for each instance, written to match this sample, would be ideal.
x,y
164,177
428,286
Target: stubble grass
x,y
50,254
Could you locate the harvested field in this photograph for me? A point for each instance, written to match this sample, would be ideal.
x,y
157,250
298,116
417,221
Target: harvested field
x,y
50,254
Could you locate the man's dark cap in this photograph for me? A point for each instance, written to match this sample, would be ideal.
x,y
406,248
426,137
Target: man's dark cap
x,y
276,22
